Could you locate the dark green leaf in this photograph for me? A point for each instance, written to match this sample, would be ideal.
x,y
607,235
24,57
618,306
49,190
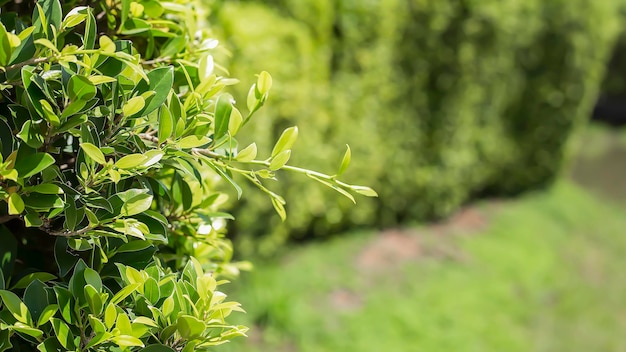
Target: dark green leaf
x,y
161,81
65,302
29,278
222,115
36,299
5,342
64,259
52,12
33,164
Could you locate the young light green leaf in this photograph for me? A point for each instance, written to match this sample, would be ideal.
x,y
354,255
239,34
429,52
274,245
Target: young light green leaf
x,y
280,208
63,333
127,341
16,204
280,160
110,315
286,140
133,106
49,114
192,142
130,161
264,83
134,201
17,308
247,154
166,124
366,191
235,121
99,79
345,162
93,152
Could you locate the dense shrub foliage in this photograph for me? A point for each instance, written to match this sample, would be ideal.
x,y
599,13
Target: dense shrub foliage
x,y
115,131
448,99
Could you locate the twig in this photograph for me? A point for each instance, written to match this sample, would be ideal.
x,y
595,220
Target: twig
x,y
32,61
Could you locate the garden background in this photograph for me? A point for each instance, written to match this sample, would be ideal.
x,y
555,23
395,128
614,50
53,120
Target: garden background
x,y
499,223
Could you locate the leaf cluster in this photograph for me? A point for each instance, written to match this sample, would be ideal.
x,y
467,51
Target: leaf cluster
x,y
115,131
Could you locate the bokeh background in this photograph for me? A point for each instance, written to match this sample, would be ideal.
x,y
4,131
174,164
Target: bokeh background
x,y
500,219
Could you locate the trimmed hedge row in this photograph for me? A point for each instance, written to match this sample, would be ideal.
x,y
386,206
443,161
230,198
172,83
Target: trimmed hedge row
x,y
442,101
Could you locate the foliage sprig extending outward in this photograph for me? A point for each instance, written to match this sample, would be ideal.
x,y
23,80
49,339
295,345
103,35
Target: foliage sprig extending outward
x,y
114,132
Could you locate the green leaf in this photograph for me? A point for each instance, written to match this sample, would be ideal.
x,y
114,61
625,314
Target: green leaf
x,y
280,160
48,312
247,154
80,88
63,333
110,315
161,82
134,106
44,188
97,79
31,134
264,83
124,292
93,152
5,46
127,341
166,124
192,142
286,140
5,341
65,300
64,260
236,120
16,204
157,348
189,327
93,300
280,208
25,329
51,13
93,278
49,114
33,164
26,280
134,201
51,344
130,161
32,219
13,303
345,162
36,299
366,191
223,108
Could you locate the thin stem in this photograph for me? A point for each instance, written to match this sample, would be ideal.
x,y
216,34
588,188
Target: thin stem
x,y
32,61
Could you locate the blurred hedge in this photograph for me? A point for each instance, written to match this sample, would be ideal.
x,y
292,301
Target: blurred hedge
x,y
440,100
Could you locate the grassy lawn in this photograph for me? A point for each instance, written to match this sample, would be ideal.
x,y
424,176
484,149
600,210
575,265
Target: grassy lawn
x,y
542,273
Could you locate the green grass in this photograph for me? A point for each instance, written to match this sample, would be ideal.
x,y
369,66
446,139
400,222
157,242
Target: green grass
x,y
544,274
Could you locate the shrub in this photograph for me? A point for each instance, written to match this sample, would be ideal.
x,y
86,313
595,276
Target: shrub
x,y
116,134
448,99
